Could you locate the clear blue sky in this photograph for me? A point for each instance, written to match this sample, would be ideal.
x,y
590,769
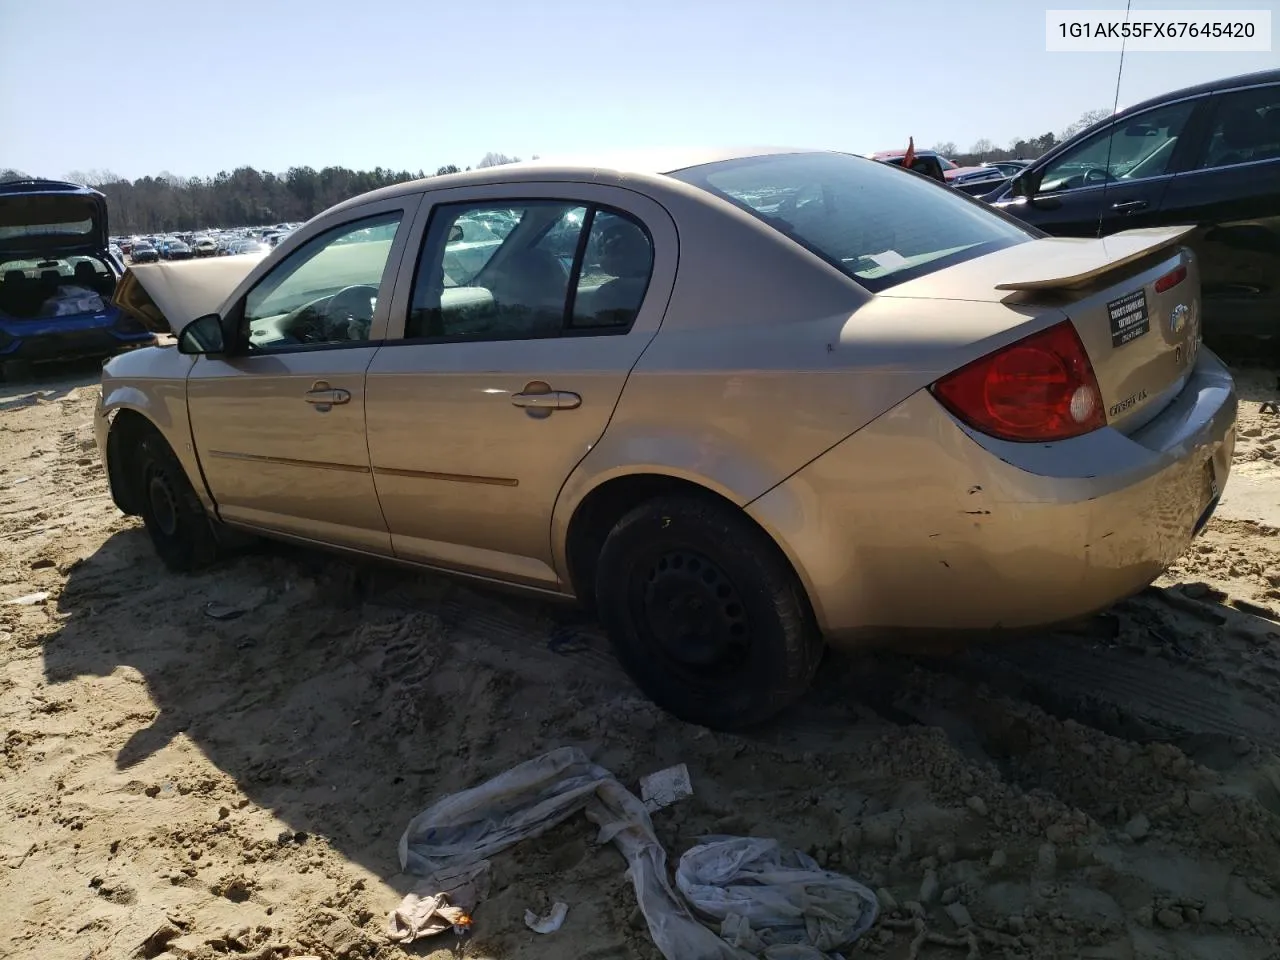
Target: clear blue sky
x,y
197,87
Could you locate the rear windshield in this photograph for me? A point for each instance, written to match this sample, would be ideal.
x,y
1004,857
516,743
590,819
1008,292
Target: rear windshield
x,y
875,222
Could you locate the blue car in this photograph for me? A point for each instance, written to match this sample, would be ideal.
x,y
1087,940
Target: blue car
x,y
57,278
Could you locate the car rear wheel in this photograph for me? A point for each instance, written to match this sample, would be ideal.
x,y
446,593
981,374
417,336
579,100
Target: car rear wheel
x,y
705,613
180,528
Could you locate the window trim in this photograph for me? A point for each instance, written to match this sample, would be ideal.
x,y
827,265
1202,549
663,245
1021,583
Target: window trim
x,y
234,322
565,331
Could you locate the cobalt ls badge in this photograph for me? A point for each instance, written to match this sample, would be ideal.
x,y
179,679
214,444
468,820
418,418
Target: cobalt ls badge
x,y
1178,318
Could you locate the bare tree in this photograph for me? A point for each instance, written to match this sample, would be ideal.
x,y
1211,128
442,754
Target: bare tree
x,y
947,148
1087,119
495,160
982,146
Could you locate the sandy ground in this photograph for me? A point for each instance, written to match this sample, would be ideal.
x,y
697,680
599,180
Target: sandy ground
x,y
176,784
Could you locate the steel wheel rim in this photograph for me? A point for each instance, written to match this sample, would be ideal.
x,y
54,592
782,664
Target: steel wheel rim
x,y
164,503
693,615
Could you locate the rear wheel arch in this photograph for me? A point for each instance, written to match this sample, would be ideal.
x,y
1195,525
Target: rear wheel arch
x,y
601,509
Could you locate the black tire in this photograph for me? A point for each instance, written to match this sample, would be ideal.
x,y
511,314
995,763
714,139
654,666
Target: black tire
x,y
180,528
705,613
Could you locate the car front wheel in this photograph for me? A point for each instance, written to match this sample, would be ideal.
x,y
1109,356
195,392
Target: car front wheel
x,y
177,522
705,613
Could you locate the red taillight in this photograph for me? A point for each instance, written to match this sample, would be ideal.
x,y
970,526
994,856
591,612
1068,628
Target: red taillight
x,y
1041,388
1171,279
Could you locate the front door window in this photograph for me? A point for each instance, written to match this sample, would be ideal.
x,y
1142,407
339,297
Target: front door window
x,y
1137,148
324,292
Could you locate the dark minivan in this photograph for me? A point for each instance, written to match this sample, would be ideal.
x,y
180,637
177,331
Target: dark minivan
x,y
1208,155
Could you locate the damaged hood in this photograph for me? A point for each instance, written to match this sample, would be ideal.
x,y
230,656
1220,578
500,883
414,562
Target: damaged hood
x,y
165,297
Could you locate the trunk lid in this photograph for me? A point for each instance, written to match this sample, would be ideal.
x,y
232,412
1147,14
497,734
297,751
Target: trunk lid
x,y
1133,297
50,218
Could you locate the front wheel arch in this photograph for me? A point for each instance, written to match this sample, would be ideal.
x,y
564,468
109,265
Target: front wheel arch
x,y
127,429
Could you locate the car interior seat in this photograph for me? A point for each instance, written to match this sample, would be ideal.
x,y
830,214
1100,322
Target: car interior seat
x,y
530,289
1242,132
626,256
13,292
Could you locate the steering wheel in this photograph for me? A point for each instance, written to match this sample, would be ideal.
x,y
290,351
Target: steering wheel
x,y
1096,175
349,315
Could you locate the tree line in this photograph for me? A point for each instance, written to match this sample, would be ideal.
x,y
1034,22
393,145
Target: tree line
x,y
242,197
1019,149
247,197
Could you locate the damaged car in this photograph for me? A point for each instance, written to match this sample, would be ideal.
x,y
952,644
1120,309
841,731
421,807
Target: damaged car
x,y
739,404
57,278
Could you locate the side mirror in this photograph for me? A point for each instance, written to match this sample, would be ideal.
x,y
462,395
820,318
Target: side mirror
x,y
1025,184
203,336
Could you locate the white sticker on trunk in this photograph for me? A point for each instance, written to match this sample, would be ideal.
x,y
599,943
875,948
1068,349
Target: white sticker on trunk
x,y
1129,318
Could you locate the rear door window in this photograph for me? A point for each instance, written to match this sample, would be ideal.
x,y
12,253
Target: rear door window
x,y
1245,128
537,268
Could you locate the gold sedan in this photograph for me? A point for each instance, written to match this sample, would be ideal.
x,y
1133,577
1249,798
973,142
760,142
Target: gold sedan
x,y
740,404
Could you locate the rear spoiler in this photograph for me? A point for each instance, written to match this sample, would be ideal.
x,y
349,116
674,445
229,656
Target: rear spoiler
x,y
1078,261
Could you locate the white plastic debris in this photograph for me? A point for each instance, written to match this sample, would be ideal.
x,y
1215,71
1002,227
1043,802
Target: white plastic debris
x,y
30,600
535,796
665,787
441,902
767,901
773,901
552,922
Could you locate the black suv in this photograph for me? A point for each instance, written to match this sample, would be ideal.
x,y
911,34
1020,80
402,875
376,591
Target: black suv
x,y
1208,155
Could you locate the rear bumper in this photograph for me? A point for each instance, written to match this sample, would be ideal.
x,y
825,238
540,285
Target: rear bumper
x,y
68,338
915,524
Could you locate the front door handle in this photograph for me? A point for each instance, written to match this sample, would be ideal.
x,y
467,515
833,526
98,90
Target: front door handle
x,y
550,400
325,397
1129,206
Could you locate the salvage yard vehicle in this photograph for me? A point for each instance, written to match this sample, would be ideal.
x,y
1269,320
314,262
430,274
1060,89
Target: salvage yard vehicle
x,y
1207,155
773,400
57,277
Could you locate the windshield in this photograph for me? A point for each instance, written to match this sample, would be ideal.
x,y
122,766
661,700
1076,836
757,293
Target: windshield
x,y
867,218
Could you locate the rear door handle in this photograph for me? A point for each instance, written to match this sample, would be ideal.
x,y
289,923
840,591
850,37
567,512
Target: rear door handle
x,y
1129,206
551,400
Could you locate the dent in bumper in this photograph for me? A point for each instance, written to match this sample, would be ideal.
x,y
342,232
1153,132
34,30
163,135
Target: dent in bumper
x,y
913,524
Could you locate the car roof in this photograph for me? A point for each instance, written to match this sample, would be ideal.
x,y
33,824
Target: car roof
x,y
1225,83
620,165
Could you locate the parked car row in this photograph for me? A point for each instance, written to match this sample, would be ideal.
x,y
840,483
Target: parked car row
x,y
200,244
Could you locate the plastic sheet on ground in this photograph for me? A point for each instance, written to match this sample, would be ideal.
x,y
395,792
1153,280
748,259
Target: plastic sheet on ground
x,y
441,902
469,827
773,901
